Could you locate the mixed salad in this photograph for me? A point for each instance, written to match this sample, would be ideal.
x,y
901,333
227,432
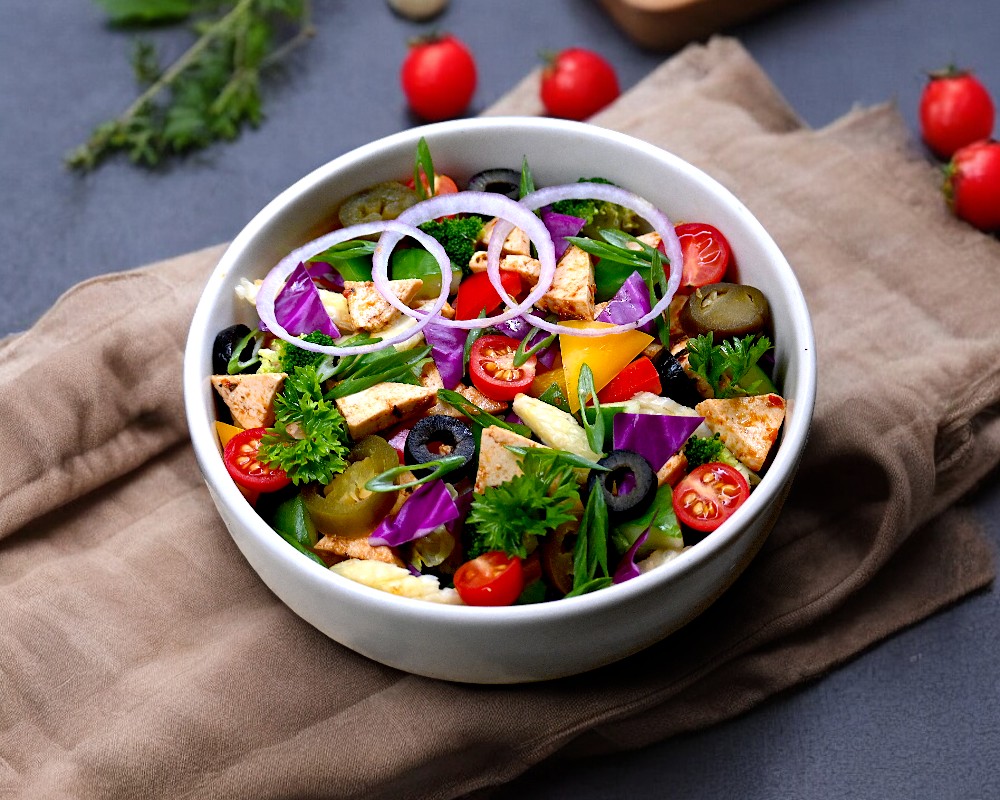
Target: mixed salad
x,y
500,394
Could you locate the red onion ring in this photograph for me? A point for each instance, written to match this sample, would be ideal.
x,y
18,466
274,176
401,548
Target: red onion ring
x,y
612,194
275,279
487,203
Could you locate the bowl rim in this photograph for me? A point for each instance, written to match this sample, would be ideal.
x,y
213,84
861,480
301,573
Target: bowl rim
x,y
201,428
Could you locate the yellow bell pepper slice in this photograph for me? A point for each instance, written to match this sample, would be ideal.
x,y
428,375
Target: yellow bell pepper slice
x,y
606,355
225,432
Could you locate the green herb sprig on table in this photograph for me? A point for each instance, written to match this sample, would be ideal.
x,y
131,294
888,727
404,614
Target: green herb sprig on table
x,y
210,92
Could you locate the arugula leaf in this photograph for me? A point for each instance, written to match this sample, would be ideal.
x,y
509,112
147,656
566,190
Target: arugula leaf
x,y
531,504
724,366
309,439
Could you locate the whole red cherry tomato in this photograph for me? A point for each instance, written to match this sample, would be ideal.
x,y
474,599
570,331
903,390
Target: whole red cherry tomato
x,y
492,579
972,185
438,77
955,110
578,83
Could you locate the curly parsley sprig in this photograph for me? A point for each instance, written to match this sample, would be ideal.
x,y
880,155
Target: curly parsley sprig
x,y
534,503
726,366
309,438
210,92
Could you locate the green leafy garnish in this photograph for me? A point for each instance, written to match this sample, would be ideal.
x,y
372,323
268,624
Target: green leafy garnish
x,y
527,180
425,164
386,481
523,352
554,396
471,339
476,415
383,366
309,439
558,456
592,585
590,551
594,427
724,366
210,92
531,504
344,251
144,12
236,362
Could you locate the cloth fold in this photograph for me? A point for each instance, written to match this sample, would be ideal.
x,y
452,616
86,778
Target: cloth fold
x,y
145,659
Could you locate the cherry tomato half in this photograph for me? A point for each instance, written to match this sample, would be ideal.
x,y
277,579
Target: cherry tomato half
x,y
240,458
708,495
706,255
577,83
476,294
491,366
492,579
955,110
438,77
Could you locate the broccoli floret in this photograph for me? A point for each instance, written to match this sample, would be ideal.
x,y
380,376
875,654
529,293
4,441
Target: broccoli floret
x,y
457,236
710,449
284,356
703,450
598,213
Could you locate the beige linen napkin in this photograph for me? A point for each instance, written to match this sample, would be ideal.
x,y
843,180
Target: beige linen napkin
x,y
143,658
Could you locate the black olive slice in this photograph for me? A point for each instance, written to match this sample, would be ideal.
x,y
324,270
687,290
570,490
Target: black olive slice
x,y
436,436
224,345
674,381
499,181
725,309
629,485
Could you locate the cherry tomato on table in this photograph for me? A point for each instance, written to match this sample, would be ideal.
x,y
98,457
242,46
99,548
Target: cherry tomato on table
x,y
578,83
240,458
955,110
492,579
438,77
476,294
972,185
491,366
706,255
708,495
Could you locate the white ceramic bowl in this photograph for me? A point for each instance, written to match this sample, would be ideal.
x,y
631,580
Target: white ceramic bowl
x,y
521,643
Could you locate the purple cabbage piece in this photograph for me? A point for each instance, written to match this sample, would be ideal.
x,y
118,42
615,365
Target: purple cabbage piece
x,y
628,569
298,308
560,226
656,437
631,302
447,349
429,506
320,270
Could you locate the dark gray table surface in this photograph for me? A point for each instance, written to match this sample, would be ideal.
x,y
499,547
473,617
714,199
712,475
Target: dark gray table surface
x,y
916,717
